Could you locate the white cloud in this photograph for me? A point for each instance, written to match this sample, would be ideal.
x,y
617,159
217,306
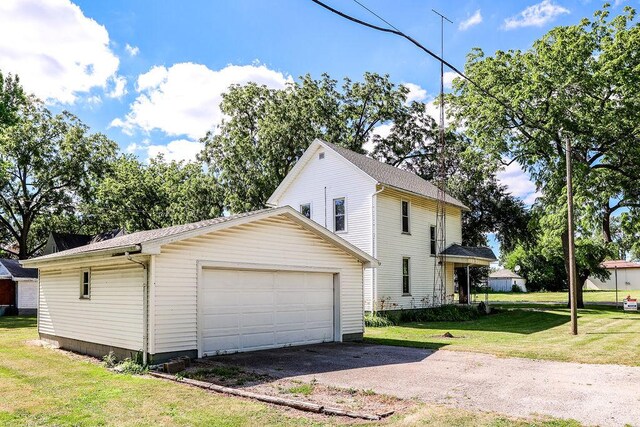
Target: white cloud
x,y
383,131
519,183
177,150
119,87
132,50
535,16
184,99
56,50
471,21
448,78
416,93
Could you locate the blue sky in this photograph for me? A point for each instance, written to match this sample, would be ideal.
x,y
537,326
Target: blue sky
x,y
149,74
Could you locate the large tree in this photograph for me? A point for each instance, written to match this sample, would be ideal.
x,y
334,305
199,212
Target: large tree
x,y
141,196
50,163
267,130
579,83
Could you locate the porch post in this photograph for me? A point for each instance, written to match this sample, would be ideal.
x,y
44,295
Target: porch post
x,y
468,287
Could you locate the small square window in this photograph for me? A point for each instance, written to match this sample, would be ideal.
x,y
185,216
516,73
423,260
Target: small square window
x,y
321,156
339,214
305,209
85,284
406,289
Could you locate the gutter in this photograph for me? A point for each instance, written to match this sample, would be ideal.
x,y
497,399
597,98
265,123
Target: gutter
x,y
43,261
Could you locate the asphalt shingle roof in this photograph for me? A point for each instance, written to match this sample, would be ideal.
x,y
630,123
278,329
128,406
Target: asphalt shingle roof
x,y
504,274
392,176
146,236
17,271
470,251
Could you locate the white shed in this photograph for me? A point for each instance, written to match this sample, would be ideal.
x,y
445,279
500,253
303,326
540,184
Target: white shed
x,y
504,280
263,279
626,273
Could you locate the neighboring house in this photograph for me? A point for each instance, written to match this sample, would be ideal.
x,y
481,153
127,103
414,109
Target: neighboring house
x,y
504,280
18,288
58,242
626,273
388,213
263,279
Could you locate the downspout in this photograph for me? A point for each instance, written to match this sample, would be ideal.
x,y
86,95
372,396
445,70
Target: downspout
x,y
145,308
374,250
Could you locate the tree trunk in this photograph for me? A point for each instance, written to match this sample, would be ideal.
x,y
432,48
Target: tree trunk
x,y
606,225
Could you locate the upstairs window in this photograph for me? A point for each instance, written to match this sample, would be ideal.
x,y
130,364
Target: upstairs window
x,y
406,281
85,284
339,214
305,209
405,216
433,240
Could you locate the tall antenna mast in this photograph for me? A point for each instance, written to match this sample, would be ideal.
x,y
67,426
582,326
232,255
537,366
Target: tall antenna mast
x,y
439,268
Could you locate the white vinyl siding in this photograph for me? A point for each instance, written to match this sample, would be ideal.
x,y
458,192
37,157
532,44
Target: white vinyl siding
x,y
273,241
392,246
113,315
27,294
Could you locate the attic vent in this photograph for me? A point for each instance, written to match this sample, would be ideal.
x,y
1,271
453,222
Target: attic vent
x,y
321,156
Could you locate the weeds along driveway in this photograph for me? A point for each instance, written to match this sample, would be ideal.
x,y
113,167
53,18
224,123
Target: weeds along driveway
x,y
607,395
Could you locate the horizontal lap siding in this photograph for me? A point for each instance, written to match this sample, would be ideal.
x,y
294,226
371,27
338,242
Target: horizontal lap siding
x,y
393,246
275,241
113,315
341,179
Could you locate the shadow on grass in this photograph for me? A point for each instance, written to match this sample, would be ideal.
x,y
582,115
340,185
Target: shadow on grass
x,y
15,322
512,321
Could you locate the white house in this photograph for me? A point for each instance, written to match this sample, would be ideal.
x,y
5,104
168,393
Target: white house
x,y
18,287
503,281
262,279
388,213
626,273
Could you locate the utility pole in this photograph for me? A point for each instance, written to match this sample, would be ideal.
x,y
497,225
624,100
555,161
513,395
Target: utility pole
x,y
440,270
573,285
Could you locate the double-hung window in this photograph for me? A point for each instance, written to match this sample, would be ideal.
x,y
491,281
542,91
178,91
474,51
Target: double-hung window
x,y
432,239
339,214
85,284
405,216
406,280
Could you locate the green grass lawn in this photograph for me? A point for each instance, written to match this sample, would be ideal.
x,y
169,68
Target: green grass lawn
x,y
41,386
606,335
589,296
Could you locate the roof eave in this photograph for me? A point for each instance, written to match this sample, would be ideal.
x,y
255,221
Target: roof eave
x,y
460,206
43,261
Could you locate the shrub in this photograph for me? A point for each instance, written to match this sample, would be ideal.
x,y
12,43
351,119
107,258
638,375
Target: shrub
x,y
444,313
130,366
516,289
110,360
377,320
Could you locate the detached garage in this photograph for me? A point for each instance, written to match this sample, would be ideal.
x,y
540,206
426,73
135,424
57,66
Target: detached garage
x,y
264,279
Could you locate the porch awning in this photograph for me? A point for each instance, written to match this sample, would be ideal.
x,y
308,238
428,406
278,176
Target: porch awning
x,y
471,255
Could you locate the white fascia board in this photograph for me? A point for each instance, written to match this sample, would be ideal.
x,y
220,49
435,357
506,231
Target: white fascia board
x,y
467,260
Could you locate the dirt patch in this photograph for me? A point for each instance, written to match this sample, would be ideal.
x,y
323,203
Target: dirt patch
x,y
349,399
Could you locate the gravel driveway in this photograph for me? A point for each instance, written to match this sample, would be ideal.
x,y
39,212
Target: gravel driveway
x,y
607,395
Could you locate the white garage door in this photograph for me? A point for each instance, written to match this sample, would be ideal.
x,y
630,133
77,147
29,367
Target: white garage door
x,y
245,310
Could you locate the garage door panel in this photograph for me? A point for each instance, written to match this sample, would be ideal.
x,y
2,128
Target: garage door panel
x,y
250,310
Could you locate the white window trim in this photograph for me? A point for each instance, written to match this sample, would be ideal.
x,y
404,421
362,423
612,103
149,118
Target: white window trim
x,y
408,216
82,272
310,208
346,213
402,275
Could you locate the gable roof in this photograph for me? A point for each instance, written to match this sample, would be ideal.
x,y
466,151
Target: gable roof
x,y
147,241
469,252
620,263
504,274
65,241
382,173
16,271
